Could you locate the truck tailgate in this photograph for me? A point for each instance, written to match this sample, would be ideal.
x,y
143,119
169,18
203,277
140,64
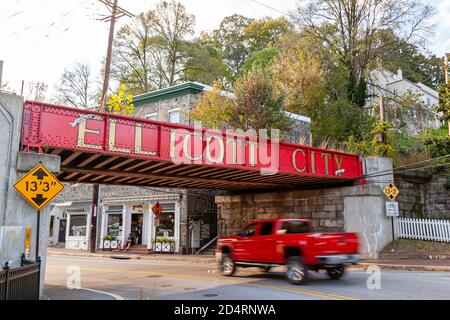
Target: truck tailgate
x,y
335,243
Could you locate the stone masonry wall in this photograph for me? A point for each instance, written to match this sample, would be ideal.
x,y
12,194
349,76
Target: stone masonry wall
x,y
437,200
325,208
423,195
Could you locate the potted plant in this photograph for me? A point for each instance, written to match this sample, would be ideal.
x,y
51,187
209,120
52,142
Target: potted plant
x,y
164,245
110,242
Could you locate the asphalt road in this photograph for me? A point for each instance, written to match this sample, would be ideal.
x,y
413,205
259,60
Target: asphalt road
x,y
102,278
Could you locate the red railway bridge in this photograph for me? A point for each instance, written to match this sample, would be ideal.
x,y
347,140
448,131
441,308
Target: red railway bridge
x,y
110,149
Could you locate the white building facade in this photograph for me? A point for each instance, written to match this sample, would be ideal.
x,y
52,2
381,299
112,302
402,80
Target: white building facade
x,y
69,224
395,86
133,215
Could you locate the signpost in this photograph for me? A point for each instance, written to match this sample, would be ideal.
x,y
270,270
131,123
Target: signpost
x,y
39,186
392,192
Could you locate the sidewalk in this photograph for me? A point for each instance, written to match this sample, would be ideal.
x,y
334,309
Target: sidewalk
x,y
421,265
53,292
206,259
384,264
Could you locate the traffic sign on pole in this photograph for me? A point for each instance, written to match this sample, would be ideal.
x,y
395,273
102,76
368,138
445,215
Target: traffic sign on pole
x,y
391,191
39,186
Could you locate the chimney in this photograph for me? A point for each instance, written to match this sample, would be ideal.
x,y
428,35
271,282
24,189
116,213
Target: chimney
x,y
399,74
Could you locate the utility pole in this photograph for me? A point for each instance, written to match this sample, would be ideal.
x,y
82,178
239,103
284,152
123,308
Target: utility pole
x,y
116,13
447,81
382,118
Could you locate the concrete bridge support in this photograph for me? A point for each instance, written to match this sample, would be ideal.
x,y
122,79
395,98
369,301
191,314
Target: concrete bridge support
x,y
16,214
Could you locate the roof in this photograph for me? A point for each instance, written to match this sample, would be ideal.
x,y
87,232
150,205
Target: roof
x,y
425,89
169,93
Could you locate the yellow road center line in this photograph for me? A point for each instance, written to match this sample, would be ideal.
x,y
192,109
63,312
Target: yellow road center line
x,y
319,294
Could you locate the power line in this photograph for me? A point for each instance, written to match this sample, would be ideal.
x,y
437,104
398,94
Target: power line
x,y
406,166
272,8
407,170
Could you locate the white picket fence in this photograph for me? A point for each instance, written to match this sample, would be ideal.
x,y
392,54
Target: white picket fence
x,y
423,229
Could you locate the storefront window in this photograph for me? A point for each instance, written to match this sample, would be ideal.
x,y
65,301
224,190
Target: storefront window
x,y
78,226
166,227
114,225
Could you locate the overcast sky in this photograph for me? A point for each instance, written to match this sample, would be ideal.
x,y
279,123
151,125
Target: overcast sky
x,y
39,38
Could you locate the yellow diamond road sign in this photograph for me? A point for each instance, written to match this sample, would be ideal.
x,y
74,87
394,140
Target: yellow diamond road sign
x,y
391,191
39,186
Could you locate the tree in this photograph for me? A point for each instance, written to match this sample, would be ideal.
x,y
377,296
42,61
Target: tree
x,y
37,91
264,33
313,82
121,102
359,32
256,105
444,102
260,60
416,66
229,39
239,37
213,108
148,52
204,64
77,87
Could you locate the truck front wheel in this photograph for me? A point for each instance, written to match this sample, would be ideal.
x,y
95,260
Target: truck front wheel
x,y
336,273
227,266
296,271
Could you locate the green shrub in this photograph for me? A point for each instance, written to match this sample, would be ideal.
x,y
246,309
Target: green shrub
x,y
109,237
164,240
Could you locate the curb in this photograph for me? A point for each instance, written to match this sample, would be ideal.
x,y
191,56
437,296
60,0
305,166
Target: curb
x,y
136,257
417,268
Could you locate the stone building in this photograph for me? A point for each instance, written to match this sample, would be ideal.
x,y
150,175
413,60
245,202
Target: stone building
x,y
189,217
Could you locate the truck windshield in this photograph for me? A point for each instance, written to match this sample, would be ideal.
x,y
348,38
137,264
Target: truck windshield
x,y
295,227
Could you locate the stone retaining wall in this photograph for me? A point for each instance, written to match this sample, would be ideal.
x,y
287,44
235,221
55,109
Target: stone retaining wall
x,y
423,195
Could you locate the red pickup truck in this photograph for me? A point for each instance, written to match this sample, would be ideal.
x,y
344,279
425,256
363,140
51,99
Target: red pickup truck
x,y
290,242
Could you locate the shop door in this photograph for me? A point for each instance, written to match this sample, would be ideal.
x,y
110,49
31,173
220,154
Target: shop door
x,y
136,227
62,231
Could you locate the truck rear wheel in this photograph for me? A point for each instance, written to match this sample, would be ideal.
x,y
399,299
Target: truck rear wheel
x,y
336,273
296,271
227,266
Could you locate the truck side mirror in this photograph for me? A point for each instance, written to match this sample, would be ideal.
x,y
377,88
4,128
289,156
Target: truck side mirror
x,y
281,232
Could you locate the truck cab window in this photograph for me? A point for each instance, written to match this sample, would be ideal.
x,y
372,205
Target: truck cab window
x,y
248,231
295,227
266,228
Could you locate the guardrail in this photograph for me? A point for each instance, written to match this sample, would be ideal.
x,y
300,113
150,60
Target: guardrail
x,y
21,283
423,229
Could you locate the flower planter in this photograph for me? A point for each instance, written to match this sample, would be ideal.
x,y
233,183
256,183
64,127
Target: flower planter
x,y
160,247
111,245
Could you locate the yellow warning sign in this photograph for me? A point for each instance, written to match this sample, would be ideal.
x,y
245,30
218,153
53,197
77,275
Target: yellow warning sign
x,y
39,186
391,191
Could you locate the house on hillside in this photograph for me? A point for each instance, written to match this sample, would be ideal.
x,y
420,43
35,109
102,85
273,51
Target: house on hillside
x,y
394,87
